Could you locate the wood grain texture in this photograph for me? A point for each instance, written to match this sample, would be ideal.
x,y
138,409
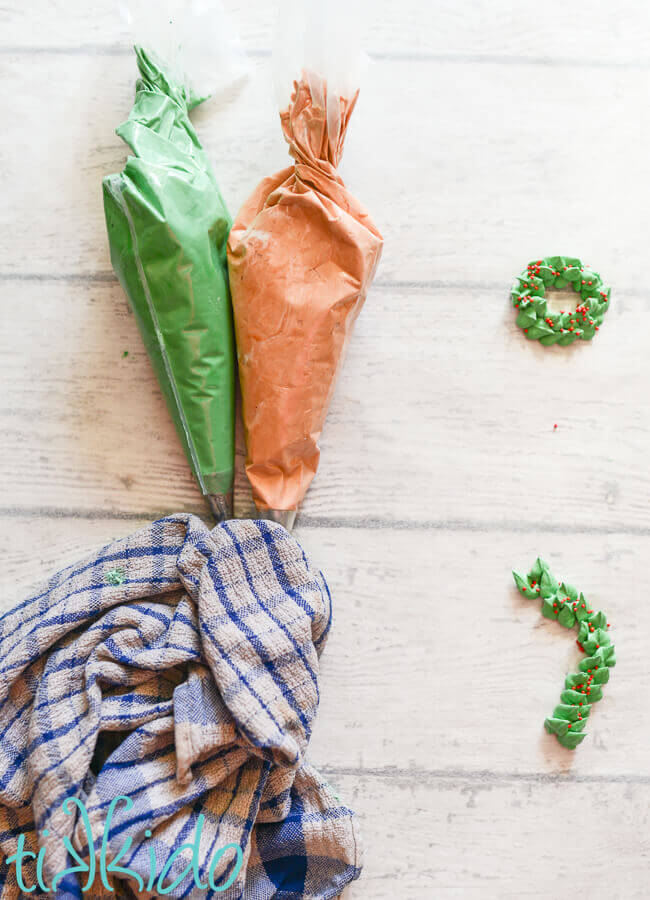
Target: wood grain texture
x,y
582,34
474,839
486,134
501,156
444,414
435,663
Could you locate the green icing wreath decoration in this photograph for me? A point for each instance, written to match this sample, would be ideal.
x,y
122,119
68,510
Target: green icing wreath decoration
x,y
562,602
529,297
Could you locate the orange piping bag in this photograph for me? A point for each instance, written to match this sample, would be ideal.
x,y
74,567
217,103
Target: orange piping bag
x,y
301,256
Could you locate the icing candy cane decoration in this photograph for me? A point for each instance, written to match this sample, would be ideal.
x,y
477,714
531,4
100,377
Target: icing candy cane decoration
x,y
561,602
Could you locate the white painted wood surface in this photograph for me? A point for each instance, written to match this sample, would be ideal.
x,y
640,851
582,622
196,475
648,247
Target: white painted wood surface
x,y
486,134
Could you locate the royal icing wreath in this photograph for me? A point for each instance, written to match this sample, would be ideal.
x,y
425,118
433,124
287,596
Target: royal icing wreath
x,y
563,603
564,327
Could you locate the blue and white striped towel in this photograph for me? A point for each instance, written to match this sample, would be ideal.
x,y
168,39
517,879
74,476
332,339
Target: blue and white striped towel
x,y
178,667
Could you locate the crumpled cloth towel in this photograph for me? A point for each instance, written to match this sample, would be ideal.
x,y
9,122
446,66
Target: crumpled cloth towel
x,y
178,667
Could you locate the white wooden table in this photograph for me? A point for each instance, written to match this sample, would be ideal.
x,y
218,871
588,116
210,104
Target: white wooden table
x,y
487,134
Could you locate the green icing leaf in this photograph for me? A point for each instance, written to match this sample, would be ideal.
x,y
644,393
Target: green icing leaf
x,y
566,617
524,587
547,609
594,693
582,610
571,739
560,283
546,274
578,726
569,591
572,697
601,676
599,620
575,678
547,584
526,319
538,569
520,581
609,656
570,713
602,636
556,726
590,662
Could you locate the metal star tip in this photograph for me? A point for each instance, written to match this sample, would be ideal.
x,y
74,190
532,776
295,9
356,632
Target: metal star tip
x,y
285,517
220,506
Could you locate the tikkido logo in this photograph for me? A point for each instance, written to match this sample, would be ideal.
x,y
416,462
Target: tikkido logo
x,y
98,861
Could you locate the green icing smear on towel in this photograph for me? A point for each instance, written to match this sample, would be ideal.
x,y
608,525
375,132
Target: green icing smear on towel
x,y
167,228
562,602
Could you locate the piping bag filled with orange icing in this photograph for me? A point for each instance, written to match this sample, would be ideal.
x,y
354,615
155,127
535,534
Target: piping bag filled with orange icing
x,y
301,256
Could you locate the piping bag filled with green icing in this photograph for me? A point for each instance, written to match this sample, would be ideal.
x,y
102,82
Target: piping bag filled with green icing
x,y
167,229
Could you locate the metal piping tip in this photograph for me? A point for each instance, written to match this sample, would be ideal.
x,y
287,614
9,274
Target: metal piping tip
x,y
285,517
220,506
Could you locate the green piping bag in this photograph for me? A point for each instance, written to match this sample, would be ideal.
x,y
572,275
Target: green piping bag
x,y
167,229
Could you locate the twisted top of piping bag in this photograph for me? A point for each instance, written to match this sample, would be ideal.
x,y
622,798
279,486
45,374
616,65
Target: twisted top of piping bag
x,y
315,123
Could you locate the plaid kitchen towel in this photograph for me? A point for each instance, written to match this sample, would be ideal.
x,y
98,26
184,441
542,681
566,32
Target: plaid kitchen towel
x,y
178,668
